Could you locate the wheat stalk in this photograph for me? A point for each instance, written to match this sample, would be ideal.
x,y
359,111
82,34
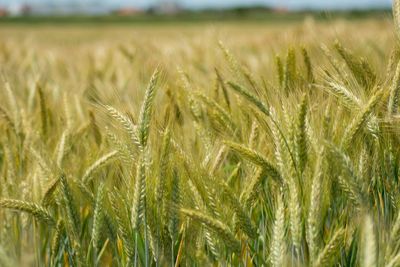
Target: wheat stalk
x,y
369,257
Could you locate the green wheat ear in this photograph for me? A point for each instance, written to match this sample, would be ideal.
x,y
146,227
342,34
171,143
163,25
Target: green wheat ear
x,y
313,220
40,213
216,226
256,158
359,67
278,245
301,135
309,69
73,218
48,196
57,240
16,113
219,111
394,245
243,219
394,92
280,70
174,205
98,218
139,199
290,76
250,97
331,249
360,120
43,110
147,109
164,163
221,82
120,209
102,161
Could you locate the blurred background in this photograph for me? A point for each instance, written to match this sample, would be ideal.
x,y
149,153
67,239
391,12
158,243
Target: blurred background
x,y
189,9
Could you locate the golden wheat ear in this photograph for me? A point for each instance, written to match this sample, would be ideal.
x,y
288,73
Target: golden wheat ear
x,y
396,15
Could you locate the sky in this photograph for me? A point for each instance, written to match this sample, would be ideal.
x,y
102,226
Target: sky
x,y
196,4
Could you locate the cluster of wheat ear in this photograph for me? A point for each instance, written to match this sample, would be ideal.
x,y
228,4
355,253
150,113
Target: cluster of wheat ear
x,y
292,163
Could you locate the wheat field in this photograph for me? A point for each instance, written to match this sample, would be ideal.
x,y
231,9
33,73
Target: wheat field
x,y
220,144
